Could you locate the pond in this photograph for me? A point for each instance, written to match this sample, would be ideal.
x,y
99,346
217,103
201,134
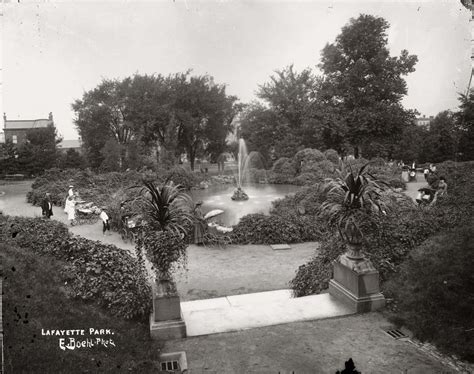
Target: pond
x,y
260,200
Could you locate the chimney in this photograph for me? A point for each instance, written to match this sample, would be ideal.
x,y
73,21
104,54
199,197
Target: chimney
x,y
4,120
50,117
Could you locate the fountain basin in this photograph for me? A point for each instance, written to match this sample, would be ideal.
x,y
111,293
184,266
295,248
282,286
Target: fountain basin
x,y
260,200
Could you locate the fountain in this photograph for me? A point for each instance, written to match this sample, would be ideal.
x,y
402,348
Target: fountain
x,y
239,194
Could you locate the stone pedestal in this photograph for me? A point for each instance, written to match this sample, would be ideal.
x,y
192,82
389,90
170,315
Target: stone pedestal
x,y
166,321
356,283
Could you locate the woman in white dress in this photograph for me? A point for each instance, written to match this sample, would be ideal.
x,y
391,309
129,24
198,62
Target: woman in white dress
x,y
70,209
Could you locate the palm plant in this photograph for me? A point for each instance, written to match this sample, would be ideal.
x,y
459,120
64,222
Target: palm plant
x,y
167,212
166,207
352,202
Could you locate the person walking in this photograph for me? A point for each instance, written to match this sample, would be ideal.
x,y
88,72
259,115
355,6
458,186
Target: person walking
x,y
105,221
70,209
47,206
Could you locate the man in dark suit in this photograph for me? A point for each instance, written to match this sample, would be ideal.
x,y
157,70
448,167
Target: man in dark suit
x,y
47,206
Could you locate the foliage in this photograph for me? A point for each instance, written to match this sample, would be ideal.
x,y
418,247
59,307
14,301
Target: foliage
x,y
98,188
35,296
437,276
182,176
164,249
314,276
97,273
72,159
263,229
111,154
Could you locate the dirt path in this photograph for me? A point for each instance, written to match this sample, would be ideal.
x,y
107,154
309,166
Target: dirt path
x,y
212,272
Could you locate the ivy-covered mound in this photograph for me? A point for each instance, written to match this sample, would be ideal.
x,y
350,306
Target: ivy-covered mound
x,y
96,272
35,297
398,233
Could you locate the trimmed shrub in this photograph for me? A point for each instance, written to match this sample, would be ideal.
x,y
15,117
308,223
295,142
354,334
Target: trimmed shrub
x,y
262,229
279,164
433,291
99,273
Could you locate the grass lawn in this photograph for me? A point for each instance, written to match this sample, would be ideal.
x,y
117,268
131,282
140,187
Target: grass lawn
x,y
35,299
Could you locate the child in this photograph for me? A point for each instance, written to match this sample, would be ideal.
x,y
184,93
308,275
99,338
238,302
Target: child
x,y
105,221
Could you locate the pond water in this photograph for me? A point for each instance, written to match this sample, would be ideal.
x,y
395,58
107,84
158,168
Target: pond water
x,y
260,200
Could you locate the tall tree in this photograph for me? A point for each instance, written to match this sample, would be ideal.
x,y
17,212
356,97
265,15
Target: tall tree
x,y
365,85
465,124
104,113
204,114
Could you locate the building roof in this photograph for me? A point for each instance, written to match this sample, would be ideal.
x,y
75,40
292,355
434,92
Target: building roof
x,y
27,124
71,143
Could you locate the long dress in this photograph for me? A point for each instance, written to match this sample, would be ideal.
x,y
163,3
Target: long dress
x,y
70,209
199,227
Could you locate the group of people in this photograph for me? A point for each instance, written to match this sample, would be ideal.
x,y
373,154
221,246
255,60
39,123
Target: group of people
x,y
70,210
437,187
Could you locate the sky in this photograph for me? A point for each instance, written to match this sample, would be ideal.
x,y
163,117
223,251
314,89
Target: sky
x,y
53,52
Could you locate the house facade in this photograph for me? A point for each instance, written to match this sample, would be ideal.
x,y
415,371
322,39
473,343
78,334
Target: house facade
x,y
16,130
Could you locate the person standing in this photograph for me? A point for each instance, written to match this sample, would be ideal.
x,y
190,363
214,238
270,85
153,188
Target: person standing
x,y
70,209
199,224
105,221
47,206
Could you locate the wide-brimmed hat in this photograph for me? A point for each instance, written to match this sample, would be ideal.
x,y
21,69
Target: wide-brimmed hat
x,y
71,186
199,202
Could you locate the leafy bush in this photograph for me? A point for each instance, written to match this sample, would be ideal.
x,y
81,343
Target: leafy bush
x,y
433,290
262,229
98,272
332,156
182,176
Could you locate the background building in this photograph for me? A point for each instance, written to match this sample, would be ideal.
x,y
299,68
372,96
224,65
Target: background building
x,y
424,121
16,130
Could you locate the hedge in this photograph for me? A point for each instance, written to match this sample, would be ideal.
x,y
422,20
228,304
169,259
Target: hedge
x,y
433,291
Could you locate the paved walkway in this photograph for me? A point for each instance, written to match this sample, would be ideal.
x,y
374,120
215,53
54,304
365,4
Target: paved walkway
x,y
241,312
310,347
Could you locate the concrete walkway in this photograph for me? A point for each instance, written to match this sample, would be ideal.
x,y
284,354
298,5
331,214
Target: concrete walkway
x,y
241,312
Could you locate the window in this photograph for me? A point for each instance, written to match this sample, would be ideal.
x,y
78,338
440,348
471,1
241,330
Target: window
x,y
14,139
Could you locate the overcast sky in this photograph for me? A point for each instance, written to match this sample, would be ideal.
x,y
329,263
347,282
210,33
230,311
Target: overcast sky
x,y
53,52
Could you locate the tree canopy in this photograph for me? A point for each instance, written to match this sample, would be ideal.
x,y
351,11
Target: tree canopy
x,y
170,114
